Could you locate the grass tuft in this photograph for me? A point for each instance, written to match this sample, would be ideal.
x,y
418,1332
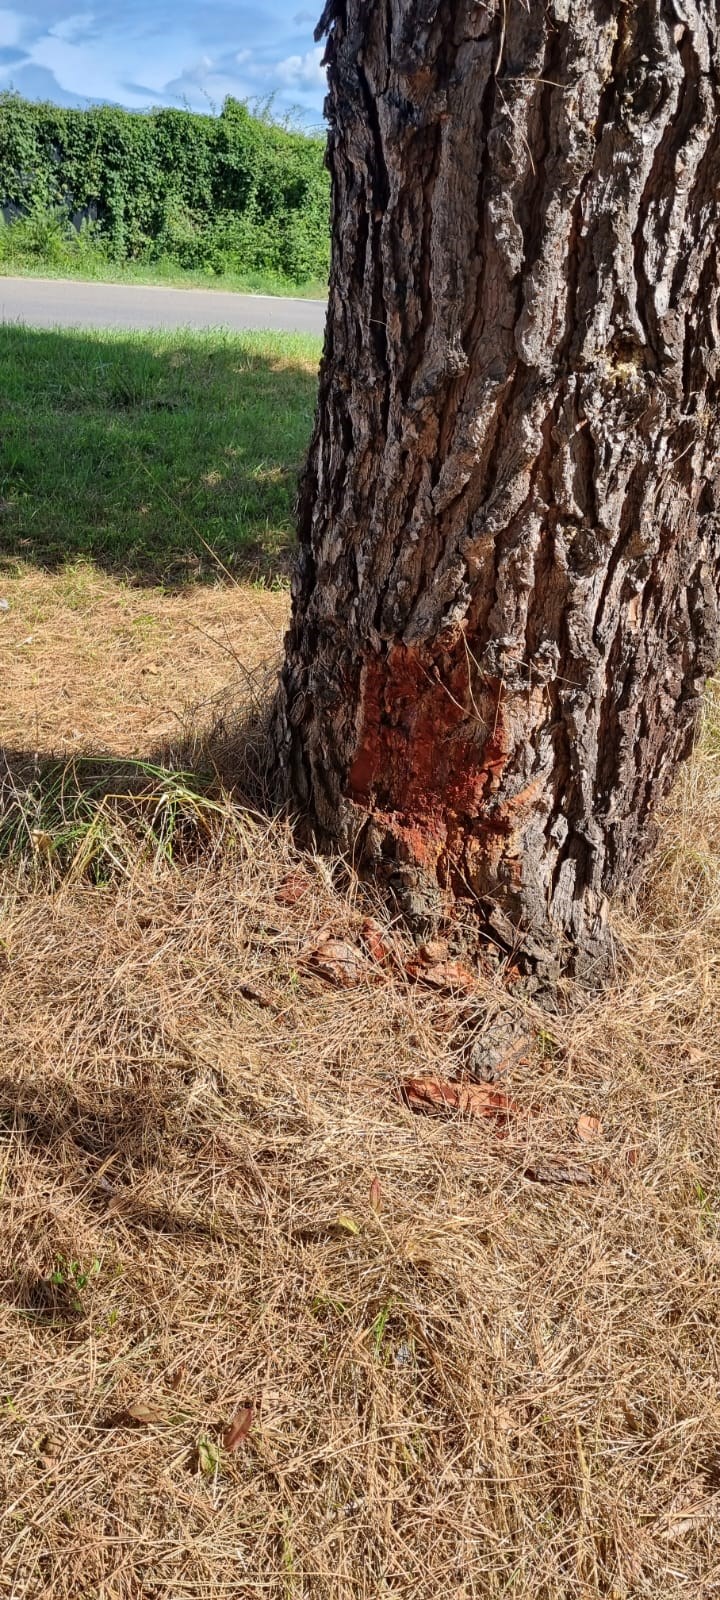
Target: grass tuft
x,y
88,266
96,816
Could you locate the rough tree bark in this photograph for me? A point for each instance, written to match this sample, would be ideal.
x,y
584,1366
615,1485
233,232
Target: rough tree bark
x,y
507,595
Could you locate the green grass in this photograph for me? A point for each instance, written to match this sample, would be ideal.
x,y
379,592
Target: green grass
x,y
140,451
90,269
43,244
94,817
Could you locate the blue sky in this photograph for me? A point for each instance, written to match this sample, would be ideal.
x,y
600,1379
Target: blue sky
x,y
140,53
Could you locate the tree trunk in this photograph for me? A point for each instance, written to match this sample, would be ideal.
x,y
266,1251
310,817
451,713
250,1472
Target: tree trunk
x,y
506,602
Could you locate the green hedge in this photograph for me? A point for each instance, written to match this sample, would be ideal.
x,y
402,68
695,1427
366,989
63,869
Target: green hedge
x,y
225,194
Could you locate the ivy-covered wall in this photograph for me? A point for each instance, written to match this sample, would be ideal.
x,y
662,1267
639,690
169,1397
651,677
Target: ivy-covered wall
x,y
208,192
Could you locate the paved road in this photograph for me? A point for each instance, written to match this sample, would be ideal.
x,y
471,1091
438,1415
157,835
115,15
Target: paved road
x,y
62,302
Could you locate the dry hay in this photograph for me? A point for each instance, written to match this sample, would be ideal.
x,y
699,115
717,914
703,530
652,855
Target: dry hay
x,y
467,1365
88,659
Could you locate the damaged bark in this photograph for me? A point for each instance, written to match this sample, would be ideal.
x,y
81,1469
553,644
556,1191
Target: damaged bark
x,y
506,602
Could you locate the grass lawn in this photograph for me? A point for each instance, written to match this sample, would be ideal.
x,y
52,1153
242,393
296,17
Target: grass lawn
x,y
139,451
100,270
264,1331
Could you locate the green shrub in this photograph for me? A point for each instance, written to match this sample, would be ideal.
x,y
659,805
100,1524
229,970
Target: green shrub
x,y
43,232
234,193
47,235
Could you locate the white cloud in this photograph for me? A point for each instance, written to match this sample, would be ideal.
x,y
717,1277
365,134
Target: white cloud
x,y
11,27
305,72
100,69
73,28
143,52
302,17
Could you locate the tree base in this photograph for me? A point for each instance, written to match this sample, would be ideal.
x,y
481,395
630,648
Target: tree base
x,y
381,848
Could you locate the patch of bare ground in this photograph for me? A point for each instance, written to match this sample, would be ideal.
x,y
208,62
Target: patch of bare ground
x,y
266,1330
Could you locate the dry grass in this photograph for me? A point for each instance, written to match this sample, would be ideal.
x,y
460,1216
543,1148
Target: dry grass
x,y
490,1386
88,660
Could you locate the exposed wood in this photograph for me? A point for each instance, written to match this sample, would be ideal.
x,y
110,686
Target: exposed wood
x,y
507,597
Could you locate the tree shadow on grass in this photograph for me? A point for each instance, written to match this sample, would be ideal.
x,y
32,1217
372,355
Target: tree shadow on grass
x,y
84,1134
157,456
91,820
91,816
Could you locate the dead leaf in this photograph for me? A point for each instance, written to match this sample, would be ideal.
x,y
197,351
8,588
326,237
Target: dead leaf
x,y
429,1094
144,1413
336,960
374,937
689,1505
42,842
444,975
258,998
375,1196
555,1169
294,887
683,1525
348,1224
482,1100
239,1428
588,1128
433,951
470,1099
